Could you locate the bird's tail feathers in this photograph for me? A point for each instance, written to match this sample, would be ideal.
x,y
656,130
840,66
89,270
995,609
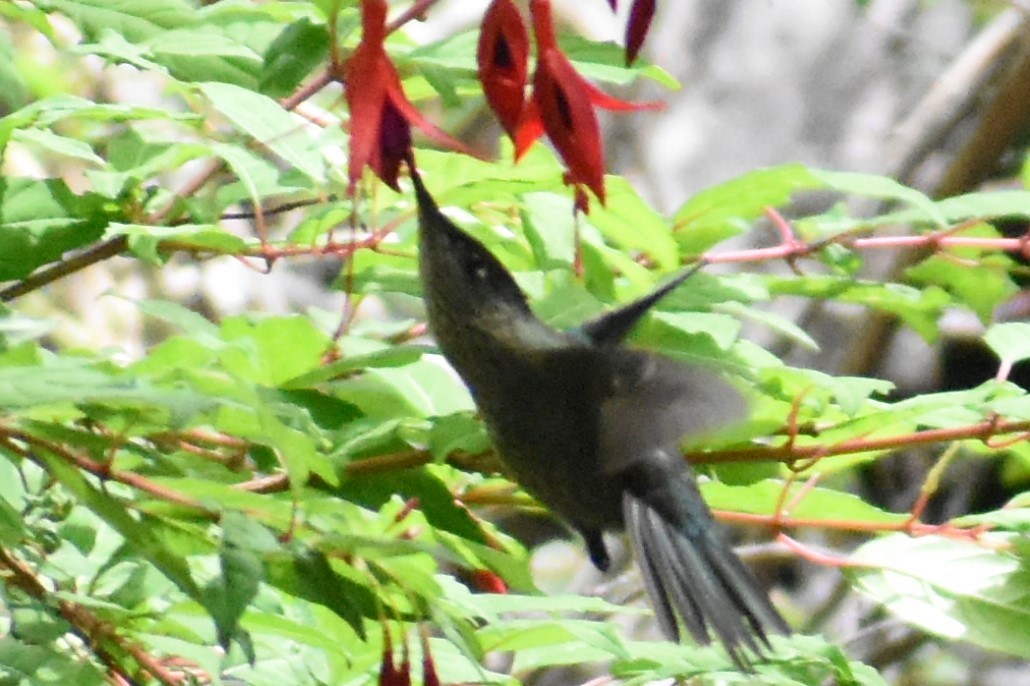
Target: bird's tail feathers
x,y
694,574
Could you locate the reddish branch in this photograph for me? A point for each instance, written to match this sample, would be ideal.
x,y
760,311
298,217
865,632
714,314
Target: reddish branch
x,y
106,249
993,432
791,248
984,431
93,630
789,453
10,437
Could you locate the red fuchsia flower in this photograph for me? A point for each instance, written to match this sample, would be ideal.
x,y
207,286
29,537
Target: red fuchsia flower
x,y
429,675
640,16
562,105
389,673
503,59
488,581
380,114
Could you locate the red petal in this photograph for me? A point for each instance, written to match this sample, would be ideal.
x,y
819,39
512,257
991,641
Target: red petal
x,y
429,676
373,21
489,582
569,119
503,58
389,675
640,16
609,102
543,25
614,4
529,129
366,95
394,145
405,670
413,116
564,100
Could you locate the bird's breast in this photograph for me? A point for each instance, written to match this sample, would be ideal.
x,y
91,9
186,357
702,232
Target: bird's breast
x,y
546,427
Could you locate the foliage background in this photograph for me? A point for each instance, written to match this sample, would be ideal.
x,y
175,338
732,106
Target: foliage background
x,y
199,454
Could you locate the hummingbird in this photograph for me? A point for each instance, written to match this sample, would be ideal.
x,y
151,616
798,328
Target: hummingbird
x,y
591,428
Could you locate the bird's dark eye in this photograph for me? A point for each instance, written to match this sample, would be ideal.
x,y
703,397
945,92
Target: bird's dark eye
x,y
478,270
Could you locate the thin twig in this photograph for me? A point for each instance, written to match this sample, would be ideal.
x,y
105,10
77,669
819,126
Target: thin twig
x,y
9,435
92,629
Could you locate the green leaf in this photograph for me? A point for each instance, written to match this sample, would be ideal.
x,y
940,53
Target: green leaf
x,y
141,159
875,186
982,288
816,504
41,220
76,383
134,19
567,304
273,350
631,224
549,225
140,536
59,145
392,356
30,16
24,663
267,122
16,329
996,203
155,243
423,485
775,321
242,571
307,574
1010,341
183,318
723,329
606,61
920,309
954,589
422,389
1015,517
377,273
257,176
198,42
13,91
259,418
49,111
457,432
12,528
722,211
293,55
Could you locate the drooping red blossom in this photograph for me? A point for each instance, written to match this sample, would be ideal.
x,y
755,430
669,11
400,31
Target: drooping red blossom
x,y
380,114
562,105
429,675
503,58
640,16
389,673
487,581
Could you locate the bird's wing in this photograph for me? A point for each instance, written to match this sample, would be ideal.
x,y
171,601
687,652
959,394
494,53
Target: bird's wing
x,y
653,402
690,571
